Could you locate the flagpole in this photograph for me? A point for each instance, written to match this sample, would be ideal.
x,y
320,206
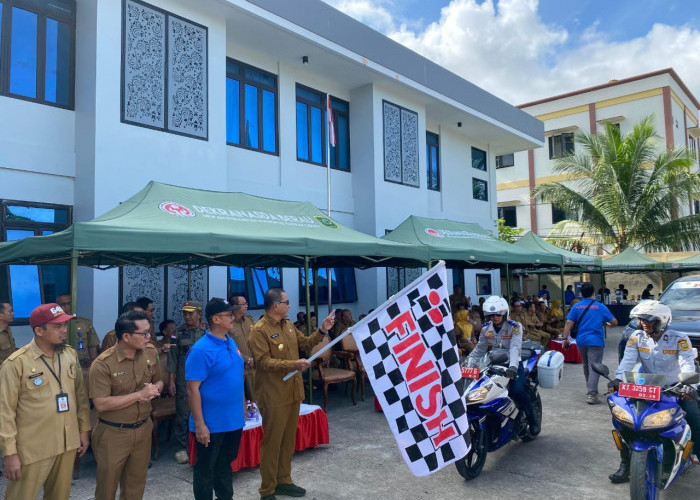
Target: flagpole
x,y
329,128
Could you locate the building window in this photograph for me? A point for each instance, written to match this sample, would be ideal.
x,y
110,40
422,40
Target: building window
x,y
37,51
503,161
253,282
343,286
400,145
397,278
691,145
432,143
251,107
164,71
27,286
311,126
480,189
458,278
559,214
561,145
340,153
509,216
483,284
696,207
479,159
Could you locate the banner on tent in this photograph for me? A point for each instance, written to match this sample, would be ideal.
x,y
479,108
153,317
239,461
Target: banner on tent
x,y
410,354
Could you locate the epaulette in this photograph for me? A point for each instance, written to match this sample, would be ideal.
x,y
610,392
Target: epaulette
x,y
512,322
485,325
18,352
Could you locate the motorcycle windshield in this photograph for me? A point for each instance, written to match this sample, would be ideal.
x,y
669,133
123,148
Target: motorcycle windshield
x,y
656,379
481,363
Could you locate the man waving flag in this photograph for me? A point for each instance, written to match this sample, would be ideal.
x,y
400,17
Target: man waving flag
x,y
413,365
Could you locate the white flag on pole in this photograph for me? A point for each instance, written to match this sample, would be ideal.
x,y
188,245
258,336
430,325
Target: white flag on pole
x,y
413,366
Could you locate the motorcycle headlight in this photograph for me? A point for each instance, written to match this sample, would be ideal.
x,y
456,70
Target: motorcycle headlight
x,y
658,419
622,415
479,394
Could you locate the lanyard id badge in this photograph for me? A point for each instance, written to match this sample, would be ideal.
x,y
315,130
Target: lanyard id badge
x,y
62,402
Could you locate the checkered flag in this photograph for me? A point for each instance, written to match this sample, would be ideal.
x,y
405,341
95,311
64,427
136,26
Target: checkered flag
x,y
410,354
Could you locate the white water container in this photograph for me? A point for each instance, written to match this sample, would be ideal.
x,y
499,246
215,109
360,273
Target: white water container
x,y
550,369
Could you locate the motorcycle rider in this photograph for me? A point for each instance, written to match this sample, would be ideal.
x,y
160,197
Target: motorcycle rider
x,y
501,333
660,351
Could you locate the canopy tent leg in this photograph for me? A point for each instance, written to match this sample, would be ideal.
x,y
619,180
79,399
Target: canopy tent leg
x,y
329,281
561,284
73,294
508,283
602,284
307,294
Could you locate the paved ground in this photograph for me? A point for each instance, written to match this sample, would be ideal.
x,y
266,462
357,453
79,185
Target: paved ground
x,y
571,459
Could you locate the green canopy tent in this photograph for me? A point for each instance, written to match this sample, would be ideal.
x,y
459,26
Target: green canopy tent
x,y
630,260
466,245
573,262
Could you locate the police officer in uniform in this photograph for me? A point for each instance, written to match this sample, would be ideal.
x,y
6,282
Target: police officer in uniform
x,y
661,351
185,337
242,324
501,333
275,344
7,341
86,340
44,410
123,381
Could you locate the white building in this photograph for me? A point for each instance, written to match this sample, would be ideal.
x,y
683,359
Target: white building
x,y
100,97
624,102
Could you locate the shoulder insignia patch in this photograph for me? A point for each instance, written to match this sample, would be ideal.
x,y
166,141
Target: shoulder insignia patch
x,y
683,345
632,340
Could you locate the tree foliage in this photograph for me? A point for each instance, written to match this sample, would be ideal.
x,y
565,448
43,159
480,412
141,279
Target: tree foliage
x,y
507,233
625,192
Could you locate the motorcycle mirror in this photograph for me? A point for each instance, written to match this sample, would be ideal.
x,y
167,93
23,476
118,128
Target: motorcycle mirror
x,y
689,378
601,369
498,357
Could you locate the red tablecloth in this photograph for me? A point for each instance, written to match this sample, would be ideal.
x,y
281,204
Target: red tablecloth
x,y
571,355
312,430
377,406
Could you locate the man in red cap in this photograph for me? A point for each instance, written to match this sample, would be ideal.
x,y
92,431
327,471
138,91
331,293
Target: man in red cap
x,y
44,409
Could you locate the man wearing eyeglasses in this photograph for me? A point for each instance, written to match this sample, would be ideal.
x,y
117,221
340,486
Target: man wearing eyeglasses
x,y
275,344
123,381
185,337
242,324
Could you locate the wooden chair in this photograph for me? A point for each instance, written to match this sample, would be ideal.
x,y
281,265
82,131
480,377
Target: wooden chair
x,y
162,408
349,345
326,375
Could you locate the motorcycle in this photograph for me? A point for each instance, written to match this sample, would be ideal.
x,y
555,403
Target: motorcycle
x,y
648,419
494,418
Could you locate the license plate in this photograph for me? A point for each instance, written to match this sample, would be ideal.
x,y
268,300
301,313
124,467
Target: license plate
x,y
472,373
650,392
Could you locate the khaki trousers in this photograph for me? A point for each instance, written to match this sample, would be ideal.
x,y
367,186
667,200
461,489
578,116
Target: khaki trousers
x,y
122,457
53,473
279,430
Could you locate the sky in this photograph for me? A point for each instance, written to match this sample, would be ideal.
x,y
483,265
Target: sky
x,y
524,50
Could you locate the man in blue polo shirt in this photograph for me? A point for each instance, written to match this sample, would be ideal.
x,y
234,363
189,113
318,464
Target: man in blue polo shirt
x,y
590,316
215,391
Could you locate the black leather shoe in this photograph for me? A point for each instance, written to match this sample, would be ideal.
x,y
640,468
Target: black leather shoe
x,y
290,490
268,497
623,473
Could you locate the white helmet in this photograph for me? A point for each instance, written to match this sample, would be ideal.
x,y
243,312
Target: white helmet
x,y
496,305
653,310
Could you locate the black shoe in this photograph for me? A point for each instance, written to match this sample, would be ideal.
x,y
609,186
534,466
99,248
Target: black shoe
x,y
622,475
290,490
268,497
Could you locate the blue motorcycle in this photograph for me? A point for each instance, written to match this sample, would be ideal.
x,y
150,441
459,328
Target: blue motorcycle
x,y
649,421
494,419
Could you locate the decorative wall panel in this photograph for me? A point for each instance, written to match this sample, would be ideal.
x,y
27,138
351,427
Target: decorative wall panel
x,y
392,142
139,281
409,148
187,77
143,65
177,290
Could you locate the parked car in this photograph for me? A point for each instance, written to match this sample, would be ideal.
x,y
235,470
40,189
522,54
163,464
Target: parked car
x,y
683,297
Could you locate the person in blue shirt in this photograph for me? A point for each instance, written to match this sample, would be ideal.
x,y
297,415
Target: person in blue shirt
x,y
544,293
591,335
215,391
569,294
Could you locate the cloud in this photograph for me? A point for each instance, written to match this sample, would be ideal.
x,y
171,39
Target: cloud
x,y
509,51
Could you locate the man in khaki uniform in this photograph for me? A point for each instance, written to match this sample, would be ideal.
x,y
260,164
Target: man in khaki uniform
x,y
7,341
185,337
530,332
110,337
275,344
123,381
44,410
86,340
242,324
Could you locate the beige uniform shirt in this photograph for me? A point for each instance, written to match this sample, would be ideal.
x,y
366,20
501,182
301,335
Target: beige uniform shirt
x,y
30,424
275,346
113,374
109,340
7,344
86,332
240,333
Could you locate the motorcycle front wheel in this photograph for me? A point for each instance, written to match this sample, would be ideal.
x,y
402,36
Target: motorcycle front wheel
x,y
537,410
643,472
471,465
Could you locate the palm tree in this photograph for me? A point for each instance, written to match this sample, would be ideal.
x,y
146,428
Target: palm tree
x,y
625,191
